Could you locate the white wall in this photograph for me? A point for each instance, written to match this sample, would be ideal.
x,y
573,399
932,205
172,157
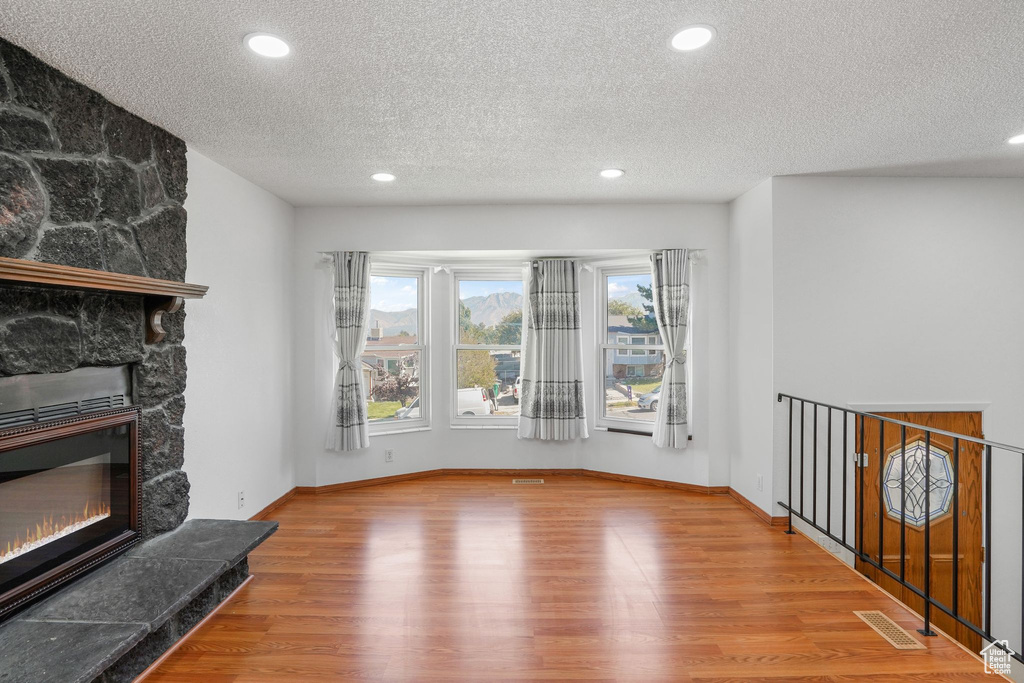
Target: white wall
x,y
902,290
238,399
750,344
909,291
526,228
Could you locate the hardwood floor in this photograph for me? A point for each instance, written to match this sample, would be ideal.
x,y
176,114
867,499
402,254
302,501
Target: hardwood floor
x,y
470,578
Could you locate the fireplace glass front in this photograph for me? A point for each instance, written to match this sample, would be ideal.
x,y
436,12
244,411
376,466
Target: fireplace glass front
x,y
67,499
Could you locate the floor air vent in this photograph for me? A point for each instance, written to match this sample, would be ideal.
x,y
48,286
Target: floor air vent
x,y
891,631
527,481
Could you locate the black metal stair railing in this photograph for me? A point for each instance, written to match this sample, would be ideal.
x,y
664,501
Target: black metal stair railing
x,y
795,506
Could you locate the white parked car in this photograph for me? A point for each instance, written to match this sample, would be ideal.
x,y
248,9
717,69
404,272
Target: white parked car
x,y
649,401
473,401
517,388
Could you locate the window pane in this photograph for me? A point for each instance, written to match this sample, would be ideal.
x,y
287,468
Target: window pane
x,y
394,318
490,311
632,384
630,311
391,380
488,383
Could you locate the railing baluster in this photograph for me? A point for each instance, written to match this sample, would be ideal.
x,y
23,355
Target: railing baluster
x,y
988,541
790,529
927,630
846,419
903,503
803,411
881,488
860,484
814,468
828,475
956,527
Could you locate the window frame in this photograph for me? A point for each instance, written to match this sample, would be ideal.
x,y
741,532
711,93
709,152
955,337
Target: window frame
x,y
602,421
459,275
422,276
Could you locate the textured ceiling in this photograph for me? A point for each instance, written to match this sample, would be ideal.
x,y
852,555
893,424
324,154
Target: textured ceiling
x,y
473,101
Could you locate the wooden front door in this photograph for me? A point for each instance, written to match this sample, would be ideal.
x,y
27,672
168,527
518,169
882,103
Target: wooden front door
x,y
883,445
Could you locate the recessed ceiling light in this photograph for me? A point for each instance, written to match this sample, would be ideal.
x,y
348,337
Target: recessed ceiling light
x,y
383,177
612,173
267,45
1017,139
692,38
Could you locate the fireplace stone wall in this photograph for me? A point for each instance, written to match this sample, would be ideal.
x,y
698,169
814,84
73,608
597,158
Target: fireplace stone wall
x,y
85,183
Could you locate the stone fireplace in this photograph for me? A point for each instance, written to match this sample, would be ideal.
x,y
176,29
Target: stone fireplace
x,y
85,183
99,571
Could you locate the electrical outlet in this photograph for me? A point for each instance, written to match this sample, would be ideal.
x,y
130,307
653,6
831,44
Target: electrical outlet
x,y
241,499
760,483
828,544
389,455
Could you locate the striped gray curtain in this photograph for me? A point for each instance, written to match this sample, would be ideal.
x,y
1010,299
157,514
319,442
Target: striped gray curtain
x,y
350,431
670,286
552,406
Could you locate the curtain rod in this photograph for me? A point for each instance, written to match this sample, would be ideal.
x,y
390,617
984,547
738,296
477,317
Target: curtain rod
x,y
583,264
694,255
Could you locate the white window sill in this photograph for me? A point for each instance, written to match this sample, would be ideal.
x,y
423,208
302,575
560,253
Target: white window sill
x,y
405,430
485,426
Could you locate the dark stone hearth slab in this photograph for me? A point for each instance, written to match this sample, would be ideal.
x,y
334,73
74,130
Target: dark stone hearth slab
x,y
144,590
112,624
71,652
208,539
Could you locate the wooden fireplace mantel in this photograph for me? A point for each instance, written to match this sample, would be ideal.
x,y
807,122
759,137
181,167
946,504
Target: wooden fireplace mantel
x,y
161,296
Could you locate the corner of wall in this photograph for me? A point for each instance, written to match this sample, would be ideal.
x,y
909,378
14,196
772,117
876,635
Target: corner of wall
x,y
750,376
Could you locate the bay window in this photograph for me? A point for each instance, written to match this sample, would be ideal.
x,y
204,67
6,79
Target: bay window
x,y
488,335
394,363
631,355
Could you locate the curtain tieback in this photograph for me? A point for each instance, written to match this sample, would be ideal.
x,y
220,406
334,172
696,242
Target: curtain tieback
x,y
678,358
351,364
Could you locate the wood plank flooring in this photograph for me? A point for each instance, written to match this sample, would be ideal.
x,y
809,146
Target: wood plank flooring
x,y
470,578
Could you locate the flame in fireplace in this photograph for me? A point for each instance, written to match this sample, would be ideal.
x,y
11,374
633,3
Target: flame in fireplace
x,y
51,528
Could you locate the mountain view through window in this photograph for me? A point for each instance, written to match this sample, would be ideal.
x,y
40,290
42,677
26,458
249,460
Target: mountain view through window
x,y
490,314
